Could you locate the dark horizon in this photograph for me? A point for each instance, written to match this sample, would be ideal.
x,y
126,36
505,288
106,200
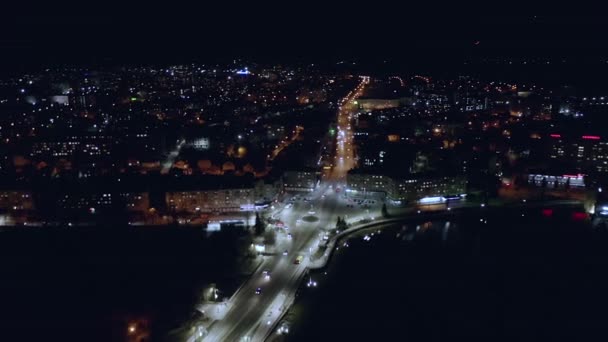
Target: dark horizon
x,y
213,33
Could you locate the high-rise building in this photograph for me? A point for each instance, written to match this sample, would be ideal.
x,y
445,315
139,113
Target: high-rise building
x,y
587,152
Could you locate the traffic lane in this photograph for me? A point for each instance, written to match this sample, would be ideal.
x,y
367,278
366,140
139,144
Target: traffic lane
x,y
261,303
293,273
243,297
279,269
247,304
240,305
289,290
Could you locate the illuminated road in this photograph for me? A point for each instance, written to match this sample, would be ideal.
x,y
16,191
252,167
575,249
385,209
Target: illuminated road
x,y
167,164
251,316
285,143
344,158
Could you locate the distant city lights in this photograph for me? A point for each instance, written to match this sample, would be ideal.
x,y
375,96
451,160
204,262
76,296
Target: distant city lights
x,y
244,71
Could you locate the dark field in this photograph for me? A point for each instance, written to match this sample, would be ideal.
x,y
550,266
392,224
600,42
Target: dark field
x,y
89,284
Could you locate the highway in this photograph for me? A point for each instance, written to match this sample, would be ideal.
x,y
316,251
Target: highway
x,y
250,316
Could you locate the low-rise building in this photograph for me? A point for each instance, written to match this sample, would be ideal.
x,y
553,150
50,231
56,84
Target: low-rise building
x,y
300,180
211,194
554,180
100,200
217,200
404,188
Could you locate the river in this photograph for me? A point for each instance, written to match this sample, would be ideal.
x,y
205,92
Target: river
x,y
510,275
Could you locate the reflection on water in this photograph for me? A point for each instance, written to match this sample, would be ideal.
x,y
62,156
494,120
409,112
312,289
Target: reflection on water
x,y
498,275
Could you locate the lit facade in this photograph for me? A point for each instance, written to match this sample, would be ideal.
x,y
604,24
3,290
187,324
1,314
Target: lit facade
x,y
302,180
224,200
411,188
94,201
589,152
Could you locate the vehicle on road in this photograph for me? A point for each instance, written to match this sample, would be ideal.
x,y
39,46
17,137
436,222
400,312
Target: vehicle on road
x,y
266,274
285,252
258,291
289,236
299,260
283,328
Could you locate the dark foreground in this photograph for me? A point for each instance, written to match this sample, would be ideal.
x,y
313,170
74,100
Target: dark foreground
x,y
92,284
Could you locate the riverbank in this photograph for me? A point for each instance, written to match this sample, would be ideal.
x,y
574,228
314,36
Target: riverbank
x,y
512,278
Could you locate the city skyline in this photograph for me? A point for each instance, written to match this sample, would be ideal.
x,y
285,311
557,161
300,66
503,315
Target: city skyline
x,y
259,173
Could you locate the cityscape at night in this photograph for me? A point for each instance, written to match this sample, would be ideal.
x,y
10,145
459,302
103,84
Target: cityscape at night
x,y
240,174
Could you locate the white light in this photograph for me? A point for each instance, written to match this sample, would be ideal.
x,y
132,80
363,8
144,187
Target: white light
x,y
431,200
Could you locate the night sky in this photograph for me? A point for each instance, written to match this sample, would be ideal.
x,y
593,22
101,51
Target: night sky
x,y
303,30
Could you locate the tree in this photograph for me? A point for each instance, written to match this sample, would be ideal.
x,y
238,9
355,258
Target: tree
x,y
543,186
270,237
384,210
259,226
341,224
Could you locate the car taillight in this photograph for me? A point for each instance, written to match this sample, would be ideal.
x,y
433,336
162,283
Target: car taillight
x,y
579,216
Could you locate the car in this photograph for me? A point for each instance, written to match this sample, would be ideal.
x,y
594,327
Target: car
x,y
298,260
266,274
258,291
283,329
289,236
285,252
